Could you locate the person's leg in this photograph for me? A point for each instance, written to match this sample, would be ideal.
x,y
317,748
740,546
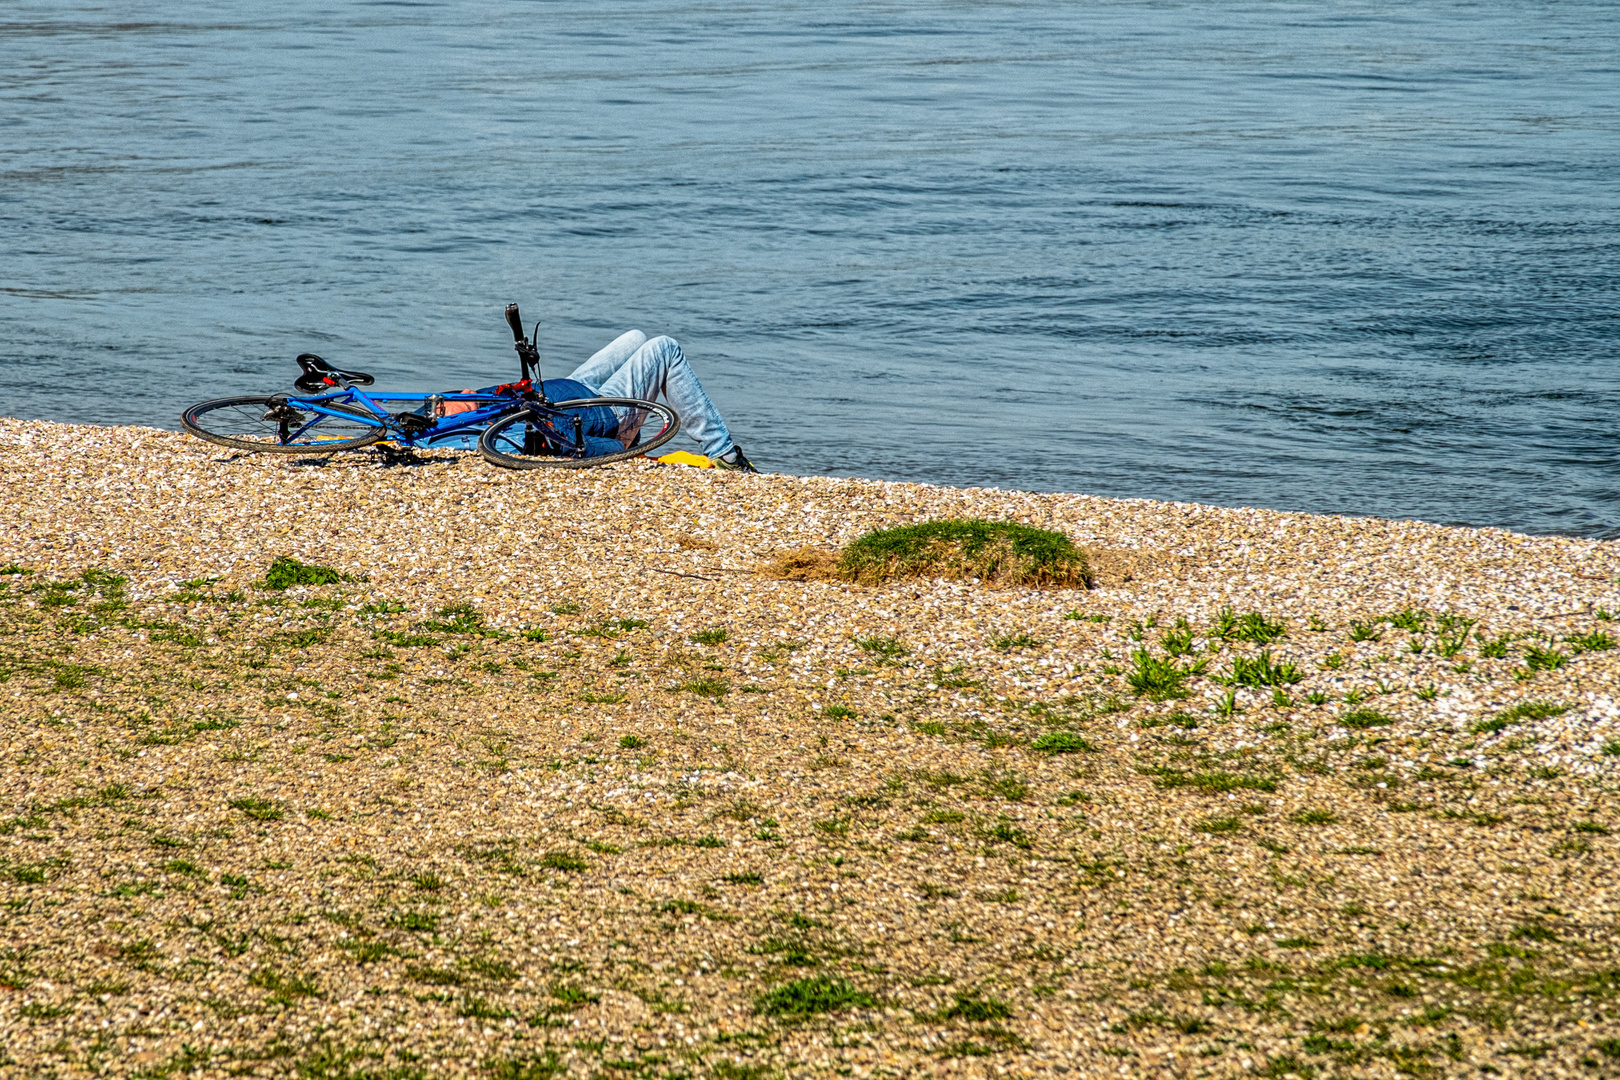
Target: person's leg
x,y
601,366
659,367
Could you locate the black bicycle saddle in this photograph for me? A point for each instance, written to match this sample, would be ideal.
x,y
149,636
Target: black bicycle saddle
x,y
319,375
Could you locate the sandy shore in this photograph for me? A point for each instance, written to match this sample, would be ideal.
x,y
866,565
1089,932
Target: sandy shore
x,y
631,808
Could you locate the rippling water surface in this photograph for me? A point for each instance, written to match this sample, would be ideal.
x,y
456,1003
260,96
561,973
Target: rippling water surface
x,y
1342,257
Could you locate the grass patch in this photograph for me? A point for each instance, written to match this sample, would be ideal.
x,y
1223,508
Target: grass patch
x,y
1063,742
1261,671
714,635
808,997
1250,626
998,553
1212,782
1158,679
884,648
562,860
285,572
1361,719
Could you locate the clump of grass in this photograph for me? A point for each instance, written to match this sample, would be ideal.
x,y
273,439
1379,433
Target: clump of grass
x,y
632,742
998,553
1314,816
1526,710
713,689
1250,626
1063,742
1218,826
976,1009
885,648
807,997
1596,641
287,571
562,860
259,809
1178,641
1412,620
1538,659
714,635
1259,671
1361,719
1365,631
1158,679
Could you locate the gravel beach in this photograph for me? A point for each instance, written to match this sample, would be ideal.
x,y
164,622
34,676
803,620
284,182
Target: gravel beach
x,y
559,781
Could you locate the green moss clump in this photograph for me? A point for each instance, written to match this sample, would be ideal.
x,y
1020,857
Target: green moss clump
x,y
999,553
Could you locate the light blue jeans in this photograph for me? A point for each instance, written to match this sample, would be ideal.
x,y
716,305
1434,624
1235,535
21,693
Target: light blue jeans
x,y
633,367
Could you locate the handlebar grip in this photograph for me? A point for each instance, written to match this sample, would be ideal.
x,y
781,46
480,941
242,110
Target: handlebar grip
x,y
515,321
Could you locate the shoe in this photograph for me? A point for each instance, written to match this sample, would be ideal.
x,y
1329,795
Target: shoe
x,y
734,459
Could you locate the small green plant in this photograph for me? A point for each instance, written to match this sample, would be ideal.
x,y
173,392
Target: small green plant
x,y
632,742
975,1009
1062,742
1007,642
1219,826
1226,706
1596,641
1538,659
285,572
259,809
1530,710
563,860
1313,816
1280,699
1365,631
884,648
1428,693
1496,650
1261,671
714,635
807,997
714,689
1178,641
1361,719
1158,679
838,712
1412,620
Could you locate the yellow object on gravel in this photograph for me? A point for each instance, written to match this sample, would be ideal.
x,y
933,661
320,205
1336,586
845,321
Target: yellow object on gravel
x,y
681,457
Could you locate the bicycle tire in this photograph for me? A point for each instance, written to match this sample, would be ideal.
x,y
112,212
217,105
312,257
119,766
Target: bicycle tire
x,y
500,446
242,424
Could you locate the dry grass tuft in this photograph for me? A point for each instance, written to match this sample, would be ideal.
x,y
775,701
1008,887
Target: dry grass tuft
x,y
804,564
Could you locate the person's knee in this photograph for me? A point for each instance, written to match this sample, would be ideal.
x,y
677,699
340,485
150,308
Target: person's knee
x,y
665,348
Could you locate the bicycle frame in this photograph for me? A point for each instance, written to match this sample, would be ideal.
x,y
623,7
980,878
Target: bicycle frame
x,y
488,408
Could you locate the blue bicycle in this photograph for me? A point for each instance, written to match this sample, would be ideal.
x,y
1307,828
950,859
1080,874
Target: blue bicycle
x,y
514,423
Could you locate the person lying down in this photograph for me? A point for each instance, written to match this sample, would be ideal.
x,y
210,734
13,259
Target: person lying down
x,y
631,366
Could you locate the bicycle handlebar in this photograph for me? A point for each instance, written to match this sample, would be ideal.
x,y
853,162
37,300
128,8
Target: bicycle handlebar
x,y
515,321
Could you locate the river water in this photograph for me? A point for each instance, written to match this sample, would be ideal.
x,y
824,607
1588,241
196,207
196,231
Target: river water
x,y
1328,256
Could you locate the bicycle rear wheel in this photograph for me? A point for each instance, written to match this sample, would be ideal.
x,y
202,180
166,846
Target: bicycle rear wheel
x,y
269,425
532,440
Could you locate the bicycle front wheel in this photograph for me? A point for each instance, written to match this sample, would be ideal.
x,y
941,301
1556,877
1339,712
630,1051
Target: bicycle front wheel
x,y
540,439
270,425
